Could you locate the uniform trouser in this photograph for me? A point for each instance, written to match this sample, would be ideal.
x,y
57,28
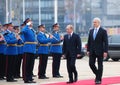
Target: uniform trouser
x,y
2,65
23,65
56,63
28,60
71,68
42,64
10,67
97,71
18,65
33,64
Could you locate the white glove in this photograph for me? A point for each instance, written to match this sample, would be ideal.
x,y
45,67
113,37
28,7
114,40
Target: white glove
x,y
29,23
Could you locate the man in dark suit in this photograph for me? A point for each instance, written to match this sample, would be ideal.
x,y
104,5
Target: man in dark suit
x,y
71,49
97,48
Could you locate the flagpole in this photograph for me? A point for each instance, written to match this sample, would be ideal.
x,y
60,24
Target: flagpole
x,y
6,11
75,15
10,10
23,10
39,12
55,11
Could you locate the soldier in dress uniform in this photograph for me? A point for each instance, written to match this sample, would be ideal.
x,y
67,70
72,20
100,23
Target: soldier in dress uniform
x,y
2,56
29,50
43,51
20,53
56,51
5,26
11,52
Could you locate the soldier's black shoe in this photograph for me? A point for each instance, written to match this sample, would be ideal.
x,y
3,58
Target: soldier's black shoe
x,y
33,75
58,76
43,77
2,78
29,82
12,80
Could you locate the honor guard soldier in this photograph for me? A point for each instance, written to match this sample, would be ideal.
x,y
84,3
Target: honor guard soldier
x,y
56,51
29,50
2,56
20,53
43,51
5,32
11,52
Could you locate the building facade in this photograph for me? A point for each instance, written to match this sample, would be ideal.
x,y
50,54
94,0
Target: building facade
x,y
77,12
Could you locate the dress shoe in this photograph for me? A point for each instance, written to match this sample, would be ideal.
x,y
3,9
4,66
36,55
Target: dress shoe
x,y
2,78
58,76
43,77
11,80
17,76
33,75
69,82
98,82
31,79
29,82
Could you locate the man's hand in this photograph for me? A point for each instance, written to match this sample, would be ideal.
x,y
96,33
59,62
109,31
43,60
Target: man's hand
x,y
1,38
63,56
61,38
105,54
78,55
29,23
88,53
50,36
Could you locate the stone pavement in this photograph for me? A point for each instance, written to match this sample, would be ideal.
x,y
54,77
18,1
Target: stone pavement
x,y
110,69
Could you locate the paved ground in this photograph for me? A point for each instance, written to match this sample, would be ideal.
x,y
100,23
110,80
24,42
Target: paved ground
x,y
110,69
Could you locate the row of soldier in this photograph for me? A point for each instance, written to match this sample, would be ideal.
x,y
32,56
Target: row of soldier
x,y
16,45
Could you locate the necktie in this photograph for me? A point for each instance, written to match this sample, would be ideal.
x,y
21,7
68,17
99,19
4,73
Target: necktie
x,y
95,33
69,36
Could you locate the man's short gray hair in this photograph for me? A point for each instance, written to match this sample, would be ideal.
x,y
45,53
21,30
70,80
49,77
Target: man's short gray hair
x,y
70,26
98,19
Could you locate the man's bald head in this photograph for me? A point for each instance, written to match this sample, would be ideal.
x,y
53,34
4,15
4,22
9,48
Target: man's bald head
x,y
69,29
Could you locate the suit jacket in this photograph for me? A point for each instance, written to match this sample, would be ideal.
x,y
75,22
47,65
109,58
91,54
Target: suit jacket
x,y
72,46
99,44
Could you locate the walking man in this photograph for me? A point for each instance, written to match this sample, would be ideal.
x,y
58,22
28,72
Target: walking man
x,y
97,48
71,49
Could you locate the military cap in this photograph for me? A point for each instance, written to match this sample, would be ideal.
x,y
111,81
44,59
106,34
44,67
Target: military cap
x,y
5,25
42,25
26,21
10,24
16,27
56,24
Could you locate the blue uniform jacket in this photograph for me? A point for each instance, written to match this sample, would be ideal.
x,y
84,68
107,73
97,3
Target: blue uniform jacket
x,y
56,48
11,39
20,47
4,34
29,36
42,39
2,45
